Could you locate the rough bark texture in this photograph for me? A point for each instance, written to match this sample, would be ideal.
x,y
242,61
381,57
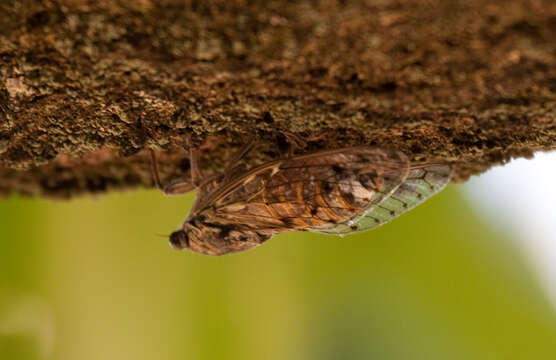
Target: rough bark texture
x,y
85,86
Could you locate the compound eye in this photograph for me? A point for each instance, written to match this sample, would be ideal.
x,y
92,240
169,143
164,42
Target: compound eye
x,y
179,240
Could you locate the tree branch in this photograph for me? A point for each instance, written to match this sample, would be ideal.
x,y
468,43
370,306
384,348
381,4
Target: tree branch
x,y
86,87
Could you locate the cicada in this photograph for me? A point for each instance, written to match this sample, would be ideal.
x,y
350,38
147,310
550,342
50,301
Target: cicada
x,y
342,191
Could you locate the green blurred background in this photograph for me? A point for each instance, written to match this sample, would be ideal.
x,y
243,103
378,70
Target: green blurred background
x,y
94,278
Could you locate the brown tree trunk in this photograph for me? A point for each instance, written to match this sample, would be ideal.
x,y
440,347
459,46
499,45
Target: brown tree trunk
x,y
85,86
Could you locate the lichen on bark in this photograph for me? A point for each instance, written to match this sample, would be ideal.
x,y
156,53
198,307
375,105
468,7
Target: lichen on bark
x,y
87,86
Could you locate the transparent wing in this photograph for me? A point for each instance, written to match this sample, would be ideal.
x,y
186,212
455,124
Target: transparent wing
x,y
421,183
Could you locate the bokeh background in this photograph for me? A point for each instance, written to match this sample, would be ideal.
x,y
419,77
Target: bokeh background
x,y
93,278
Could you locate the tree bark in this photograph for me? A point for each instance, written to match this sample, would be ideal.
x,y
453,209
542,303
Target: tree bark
x,y
87,86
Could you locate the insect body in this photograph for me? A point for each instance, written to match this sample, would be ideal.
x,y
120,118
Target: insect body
x,y
333,192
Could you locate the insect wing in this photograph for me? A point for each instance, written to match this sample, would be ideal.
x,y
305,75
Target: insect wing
x,y
422,182
311,192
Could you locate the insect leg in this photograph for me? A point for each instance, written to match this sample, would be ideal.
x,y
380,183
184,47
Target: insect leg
x,y
196,175
294,142
154,167
243,151
229,170
176,188
239,155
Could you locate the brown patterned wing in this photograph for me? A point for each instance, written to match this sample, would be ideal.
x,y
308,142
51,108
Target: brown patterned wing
x,y
307,192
